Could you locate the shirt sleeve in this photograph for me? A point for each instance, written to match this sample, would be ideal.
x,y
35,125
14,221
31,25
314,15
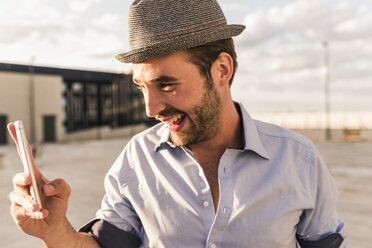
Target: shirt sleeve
x,y
109,236
321,220
116,208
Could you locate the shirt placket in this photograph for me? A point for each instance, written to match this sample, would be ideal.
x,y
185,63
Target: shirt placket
x,y
205,199
225,204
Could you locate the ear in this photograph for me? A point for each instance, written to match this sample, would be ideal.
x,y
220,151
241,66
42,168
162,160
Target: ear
x,y
222,69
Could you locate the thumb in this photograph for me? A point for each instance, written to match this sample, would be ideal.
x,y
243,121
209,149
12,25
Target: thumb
x,y
58,188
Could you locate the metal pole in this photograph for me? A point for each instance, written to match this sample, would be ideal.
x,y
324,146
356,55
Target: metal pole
x,y
2,155
327,92
31,71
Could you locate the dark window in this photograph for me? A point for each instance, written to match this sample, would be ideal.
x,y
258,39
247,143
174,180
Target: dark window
x,y
49,123
94,104
3,129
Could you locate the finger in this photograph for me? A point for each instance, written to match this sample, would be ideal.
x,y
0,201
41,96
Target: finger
x,y
24,200
13,134
22,182
44,179
42,214
22,179
11,129
20,214
58,188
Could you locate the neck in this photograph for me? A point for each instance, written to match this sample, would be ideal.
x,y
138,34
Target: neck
x,y
230,135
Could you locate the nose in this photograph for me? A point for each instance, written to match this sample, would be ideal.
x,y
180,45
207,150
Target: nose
x,y
154,102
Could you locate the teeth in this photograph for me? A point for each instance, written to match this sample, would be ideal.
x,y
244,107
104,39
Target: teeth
x,y
174,119
170,121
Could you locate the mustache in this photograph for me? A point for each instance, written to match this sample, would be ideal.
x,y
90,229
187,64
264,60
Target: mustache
x,y
168,112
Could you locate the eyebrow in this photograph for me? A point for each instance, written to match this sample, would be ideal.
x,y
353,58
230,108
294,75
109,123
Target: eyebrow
x,y
160,79
164,79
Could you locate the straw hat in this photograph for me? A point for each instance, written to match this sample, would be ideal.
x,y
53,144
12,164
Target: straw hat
x,y
159,27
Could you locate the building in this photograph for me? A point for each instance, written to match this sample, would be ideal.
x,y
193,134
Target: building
x,y
55,102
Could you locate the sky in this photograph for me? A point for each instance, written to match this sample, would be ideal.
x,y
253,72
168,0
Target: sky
x,y
280,54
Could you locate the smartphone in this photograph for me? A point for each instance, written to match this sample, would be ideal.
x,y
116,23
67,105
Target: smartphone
x,y
26,160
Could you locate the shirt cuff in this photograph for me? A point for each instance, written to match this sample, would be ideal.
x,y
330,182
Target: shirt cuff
x,y
109,236
331,241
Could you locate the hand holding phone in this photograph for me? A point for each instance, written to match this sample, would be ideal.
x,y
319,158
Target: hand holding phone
x,y
54,195
26,160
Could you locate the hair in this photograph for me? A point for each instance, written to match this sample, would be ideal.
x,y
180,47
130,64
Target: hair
x,y
203,56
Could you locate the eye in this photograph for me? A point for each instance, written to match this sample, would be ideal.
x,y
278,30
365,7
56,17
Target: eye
x,y
167,87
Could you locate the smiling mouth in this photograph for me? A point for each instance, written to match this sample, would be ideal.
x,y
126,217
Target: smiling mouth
x,y
174,120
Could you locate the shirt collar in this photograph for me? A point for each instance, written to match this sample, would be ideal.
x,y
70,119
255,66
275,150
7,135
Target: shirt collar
x,y
164,138
252,140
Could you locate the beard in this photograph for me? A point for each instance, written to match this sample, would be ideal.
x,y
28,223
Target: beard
x,y
204,118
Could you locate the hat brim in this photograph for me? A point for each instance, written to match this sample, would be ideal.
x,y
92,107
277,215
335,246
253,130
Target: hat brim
x,y
181,43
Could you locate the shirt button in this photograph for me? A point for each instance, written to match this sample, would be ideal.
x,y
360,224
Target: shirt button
x,y
224,210
212,246
206,203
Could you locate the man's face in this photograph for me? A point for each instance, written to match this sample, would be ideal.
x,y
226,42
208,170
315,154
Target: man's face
x,y
176,94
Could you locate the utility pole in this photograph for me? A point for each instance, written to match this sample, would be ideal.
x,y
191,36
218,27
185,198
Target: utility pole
x,y
327,92
31,71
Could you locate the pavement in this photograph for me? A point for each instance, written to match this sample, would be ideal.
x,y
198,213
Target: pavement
x,y
84,164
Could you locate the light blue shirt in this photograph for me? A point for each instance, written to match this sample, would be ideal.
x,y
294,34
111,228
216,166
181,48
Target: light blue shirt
x,y
276,187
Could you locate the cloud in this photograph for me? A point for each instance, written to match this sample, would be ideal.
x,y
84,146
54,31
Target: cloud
x,y
57,36
308,21
281,52
235,7
81,5
22,24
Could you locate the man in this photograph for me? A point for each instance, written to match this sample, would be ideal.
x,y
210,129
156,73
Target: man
x,y
208,175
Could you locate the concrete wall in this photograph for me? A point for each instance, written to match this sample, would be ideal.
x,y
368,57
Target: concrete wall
x,y
14,97
104,133
48,101
15,100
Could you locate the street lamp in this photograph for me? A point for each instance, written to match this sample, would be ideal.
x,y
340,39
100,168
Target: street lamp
x,y
31,71
327,92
